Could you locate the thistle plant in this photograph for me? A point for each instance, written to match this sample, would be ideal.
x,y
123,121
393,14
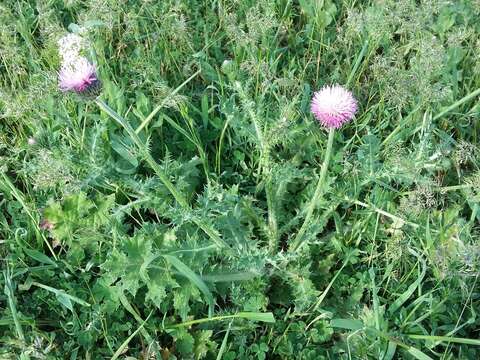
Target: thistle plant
x,y
332,106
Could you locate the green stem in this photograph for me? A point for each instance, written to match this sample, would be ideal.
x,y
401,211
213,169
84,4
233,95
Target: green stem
x,y
158,170
149,118
383,212
254,316
358,61
299,239
272,219
11,303
445,339
458,103
126,304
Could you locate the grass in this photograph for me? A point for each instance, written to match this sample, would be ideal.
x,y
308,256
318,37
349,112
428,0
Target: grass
x,y
196,210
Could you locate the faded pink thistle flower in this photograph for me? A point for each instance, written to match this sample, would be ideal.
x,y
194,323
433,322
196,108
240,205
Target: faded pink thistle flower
x,y
79,76
333,106
46,225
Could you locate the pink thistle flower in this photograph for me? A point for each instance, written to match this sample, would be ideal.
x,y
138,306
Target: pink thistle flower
x,y
333,106
79,76
46,225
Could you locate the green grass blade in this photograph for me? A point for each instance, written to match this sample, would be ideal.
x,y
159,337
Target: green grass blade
x,y
40,257
417,354
124,345
348,324
390,352
150,116
8,290
254,316
329,286
62,294
356,325
226,277
194,278
358,61
411,289
457,340
223,347
458,103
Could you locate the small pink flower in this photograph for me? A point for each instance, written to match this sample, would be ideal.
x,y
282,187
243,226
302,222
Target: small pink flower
x,y
333,106
78,76
46,225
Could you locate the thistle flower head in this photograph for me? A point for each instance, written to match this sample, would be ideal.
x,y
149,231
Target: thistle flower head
x,y
333,106
78,75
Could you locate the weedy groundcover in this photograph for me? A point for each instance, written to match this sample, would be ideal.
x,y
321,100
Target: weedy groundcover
x,y
188,179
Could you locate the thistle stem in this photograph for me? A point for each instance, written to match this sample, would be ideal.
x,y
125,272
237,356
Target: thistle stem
x,y
272,219
263,170
299,239
158,170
